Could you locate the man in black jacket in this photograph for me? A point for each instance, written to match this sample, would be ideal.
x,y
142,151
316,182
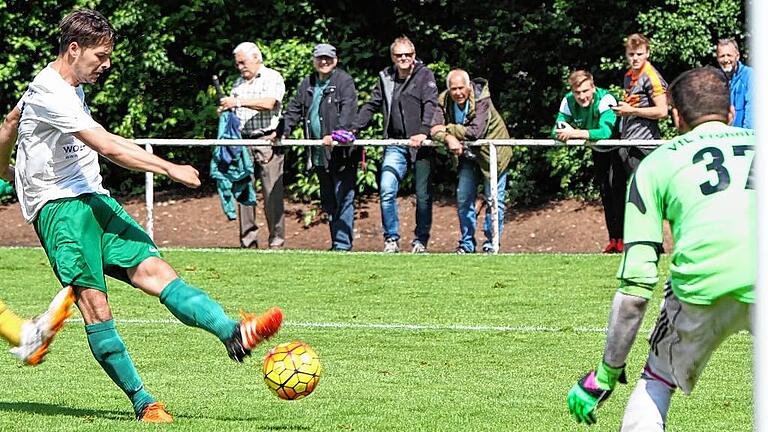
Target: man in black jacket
x,y
326,102
406,94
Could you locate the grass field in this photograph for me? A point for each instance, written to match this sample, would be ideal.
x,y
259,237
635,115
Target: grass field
x,y
408,343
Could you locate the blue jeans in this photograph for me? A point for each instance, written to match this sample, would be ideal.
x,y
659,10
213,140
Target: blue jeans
x,y
393,170
470,177
337,196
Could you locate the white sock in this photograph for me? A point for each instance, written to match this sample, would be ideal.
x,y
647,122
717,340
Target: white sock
x,y
647,406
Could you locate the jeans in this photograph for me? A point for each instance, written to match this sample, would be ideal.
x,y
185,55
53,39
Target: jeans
x,y
470,177
393,170
337,196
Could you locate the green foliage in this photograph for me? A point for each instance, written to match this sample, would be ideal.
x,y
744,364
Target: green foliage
x,y
160,82
697,24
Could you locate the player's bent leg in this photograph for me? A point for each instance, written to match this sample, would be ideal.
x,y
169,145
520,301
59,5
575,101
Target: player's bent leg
x,y
38,333
152,275
195,308
647,407
109,350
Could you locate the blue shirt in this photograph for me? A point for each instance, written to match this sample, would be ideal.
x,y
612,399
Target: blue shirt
x,y
460,114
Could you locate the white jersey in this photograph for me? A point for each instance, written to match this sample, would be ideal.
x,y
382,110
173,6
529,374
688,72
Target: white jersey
x,y
50,162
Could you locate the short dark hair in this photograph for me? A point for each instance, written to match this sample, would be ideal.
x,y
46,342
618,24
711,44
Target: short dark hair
x,y
86,27
700,92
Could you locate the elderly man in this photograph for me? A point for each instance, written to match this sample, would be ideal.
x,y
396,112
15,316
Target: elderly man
x,y
406,94
256,97
326,101
469,115
701,182
585,113
739,78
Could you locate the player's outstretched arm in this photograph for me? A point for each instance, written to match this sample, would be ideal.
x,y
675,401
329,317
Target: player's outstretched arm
x,y
128,155
7,137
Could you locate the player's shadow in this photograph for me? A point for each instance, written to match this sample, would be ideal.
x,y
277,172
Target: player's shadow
x,y
58,410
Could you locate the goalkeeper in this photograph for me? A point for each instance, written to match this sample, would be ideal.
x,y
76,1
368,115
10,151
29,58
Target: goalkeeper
x,y
701,183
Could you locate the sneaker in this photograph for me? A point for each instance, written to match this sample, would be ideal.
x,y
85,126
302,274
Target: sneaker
x,y
488,249
37,333
155,413
611,247
251,331
620,246
461,251
418,247
391,246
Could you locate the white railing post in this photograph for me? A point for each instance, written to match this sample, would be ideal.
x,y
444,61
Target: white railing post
x,y
494,191
149,197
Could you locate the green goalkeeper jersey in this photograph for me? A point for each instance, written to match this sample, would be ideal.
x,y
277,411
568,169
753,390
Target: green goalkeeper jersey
x,y
702,183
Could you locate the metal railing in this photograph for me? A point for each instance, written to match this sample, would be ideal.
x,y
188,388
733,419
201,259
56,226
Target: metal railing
x,y
494,175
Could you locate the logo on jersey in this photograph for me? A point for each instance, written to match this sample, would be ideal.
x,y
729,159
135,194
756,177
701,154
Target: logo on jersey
x,y
71,151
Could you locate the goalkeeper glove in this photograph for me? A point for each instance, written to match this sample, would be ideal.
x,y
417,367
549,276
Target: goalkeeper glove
x,y
592,389
343,136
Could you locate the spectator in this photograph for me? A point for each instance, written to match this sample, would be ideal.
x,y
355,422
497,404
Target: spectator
x,y
585,113
645,102
256,97
739,78
327,102
469,115
710,291
406,94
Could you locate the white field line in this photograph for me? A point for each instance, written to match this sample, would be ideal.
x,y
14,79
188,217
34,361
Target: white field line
x,y
241,251
407,327
397,327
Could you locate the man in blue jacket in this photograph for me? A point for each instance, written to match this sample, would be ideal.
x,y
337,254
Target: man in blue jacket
x,y
739,78
327,103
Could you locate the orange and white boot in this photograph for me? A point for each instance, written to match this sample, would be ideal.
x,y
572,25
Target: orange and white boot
x,y
37,333
251,331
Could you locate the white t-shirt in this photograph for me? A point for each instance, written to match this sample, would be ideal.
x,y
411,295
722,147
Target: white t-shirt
x,y
50,162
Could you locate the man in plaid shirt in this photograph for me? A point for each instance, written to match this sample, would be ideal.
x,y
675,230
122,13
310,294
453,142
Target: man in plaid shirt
x,y
256,98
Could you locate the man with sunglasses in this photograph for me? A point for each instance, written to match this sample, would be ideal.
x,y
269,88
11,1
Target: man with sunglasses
x,y
406,94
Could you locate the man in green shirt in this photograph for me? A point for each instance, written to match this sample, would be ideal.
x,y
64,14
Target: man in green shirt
x,y
701,182
585,113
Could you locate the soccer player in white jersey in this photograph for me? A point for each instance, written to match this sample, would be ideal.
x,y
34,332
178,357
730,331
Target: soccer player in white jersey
x,y
702,183
85,233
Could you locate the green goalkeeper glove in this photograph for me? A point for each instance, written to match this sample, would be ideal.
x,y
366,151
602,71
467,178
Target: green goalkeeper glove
x,y
592,389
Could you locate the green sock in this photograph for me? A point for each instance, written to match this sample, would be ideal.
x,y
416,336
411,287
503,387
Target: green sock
x,y
194,308
109,350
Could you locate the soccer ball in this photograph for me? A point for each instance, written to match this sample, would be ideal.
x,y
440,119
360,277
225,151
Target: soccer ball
x,y
292,370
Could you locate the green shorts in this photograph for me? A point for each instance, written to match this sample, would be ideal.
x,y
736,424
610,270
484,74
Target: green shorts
x,y
89,236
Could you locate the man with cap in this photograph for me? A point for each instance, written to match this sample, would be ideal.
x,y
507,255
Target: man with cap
x,y
326,104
